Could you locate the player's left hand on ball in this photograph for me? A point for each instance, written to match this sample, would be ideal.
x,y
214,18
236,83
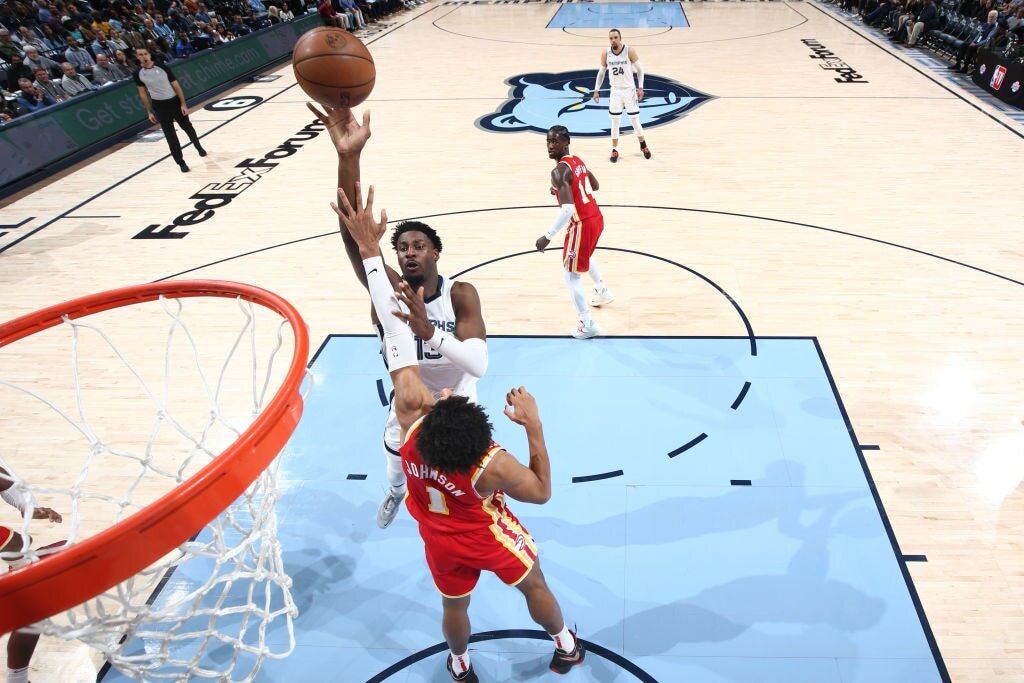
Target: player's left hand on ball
x,y
522,407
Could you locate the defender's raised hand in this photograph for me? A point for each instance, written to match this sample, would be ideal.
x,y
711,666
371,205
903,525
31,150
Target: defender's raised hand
x,y
522,408
360,223
348,136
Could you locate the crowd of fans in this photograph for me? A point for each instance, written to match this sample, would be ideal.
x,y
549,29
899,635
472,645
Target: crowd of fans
x,y
955,29
55,51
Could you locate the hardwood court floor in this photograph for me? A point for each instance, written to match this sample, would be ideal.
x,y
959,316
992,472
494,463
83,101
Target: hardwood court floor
x,y
875,216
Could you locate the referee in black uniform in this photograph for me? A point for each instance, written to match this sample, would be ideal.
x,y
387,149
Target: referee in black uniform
x,y
165,102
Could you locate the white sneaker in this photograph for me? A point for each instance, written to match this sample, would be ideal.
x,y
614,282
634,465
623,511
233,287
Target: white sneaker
x,y
602,297
586,331
388,509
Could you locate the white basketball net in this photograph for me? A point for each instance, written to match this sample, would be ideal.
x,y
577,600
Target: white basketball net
x,y
218,605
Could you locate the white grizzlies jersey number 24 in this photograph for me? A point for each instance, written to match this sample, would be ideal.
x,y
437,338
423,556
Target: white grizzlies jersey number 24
x,y
620,70
437,371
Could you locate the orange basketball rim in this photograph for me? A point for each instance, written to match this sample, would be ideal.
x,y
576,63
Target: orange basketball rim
x,y
70,577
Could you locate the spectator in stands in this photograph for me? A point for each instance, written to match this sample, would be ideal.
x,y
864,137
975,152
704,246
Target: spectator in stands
x,y
147,33
52,41
182,46
157,51
80,33
330,16
162,29
31,97
101,46
968,52
8,48
73,82
298,7
286,13
202,14
107,71
116,41
926,20
49,87
201,38
237,27
114,19
27,36
34,60
256,23
354,14
274,14
16,70
43,14
79,56
257,6
121,59
901,26
981,13
100,24
10,109
180,22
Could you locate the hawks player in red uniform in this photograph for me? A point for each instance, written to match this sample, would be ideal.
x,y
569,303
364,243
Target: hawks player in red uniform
x,y
20,645
457,476
573,183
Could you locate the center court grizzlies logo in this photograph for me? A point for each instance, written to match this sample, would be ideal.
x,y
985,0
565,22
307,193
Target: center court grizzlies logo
x,y
541,100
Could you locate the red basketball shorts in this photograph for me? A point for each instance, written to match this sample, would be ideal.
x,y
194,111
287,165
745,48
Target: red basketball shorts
x,y
6,535
580,242
456,559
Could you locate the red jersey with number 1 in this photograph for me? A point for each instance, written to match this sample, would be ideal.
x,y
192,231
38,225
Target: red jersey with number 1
x,y
446,502
586,205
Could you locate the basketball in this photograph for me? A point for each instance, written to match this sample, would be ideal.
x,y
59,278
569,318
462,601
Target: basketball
x,y
333,67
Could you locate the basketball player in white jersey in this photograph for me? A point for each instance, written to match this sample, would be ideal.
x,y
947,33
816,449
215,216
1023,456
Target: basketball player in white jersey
x,y
448,324
620,61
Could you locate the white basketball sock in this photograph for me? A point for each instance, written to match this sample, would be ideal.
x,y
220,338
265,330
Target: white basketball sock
x,y
579,300
17,675
595,275
460,663
564,640
396,476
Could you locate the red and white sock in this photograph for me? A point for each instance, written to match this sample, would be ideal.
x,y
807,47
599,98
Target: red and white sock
x,y
460,663
564,640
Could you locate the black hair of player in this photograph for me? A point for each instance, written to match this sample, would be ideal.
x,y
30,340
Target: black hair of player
x,y
454,435
559,132
615,30
409,226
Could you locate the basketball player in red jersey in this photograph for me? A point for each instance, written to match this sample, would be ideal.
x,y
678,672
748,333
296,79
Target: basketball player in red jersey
x,y
457,476
20,645
573,183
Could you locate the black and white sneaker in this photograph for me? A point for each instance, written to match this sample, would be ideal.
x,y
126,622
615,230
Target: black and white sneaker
x,y
467,676
562,663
